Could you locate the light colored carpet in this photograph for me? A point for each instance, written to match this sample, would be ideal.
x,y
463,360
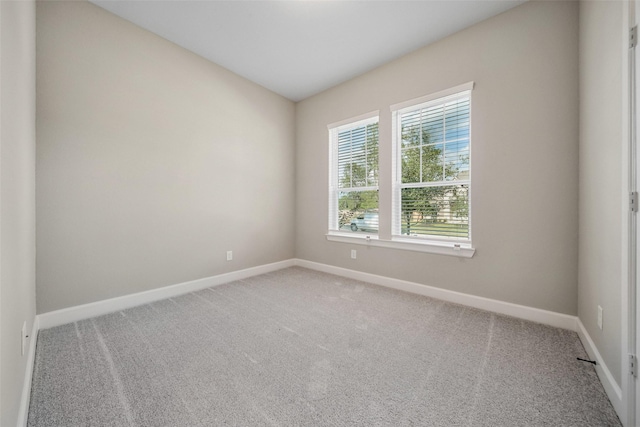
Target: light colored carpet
x,y
297,348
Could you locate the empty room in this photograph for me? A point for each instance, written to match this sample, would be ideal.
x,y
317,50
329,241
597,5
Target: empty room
x,y
331,213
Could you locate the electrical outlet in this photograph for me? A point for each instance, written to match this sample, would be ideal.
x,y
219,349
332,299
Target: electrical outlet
x,y
354,254
229,255
600,317
24,336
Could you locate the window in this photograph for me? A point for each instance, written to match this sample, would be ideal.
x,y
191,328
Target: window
x,y
432,169
353,193
427,189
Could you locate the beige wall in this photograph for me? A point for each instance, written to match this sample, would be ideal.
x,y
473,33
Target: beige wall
x,y
524,157
152,162
601,133
17,197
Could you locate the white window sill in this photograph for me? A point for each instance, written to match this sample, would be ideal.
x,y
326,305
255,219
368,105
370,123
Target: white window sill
x,y
432,247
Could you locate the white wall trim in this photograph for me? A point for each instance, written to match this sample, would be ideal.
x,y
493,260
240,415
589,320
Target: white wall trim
x,y
611,387
23,413
98,308
546,317
357,120
433,96
628,220
433,247
86,311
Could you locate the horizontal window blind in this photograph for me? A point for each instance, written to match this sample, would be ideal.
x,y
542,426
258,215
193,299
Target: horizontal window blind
x,y
358,156
431,194
353,195
439,211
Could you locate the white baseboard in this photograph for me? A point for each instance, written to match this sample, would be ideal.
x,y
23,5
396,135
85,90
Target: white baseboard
x,y
23,413
98,308
86,311
551,318
546,317
611,387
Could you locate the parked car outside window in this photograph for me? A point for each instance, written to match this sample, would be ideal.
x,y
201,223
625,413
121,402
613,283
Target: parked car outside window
x,y
367,221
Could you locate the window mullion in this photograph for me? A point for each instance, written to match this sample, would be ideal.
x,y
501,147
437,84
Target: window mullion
x,y
420,145
366,155
444,140
434,184
357,189
351,157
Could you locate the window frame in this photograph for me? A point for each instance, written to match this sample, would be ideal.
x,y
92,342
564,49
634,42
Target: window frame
x,y
334,187
397,110
388,155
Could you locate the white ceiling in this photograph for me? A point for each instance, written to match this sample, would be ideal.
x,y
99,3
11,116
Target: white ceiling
x,y
300,48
